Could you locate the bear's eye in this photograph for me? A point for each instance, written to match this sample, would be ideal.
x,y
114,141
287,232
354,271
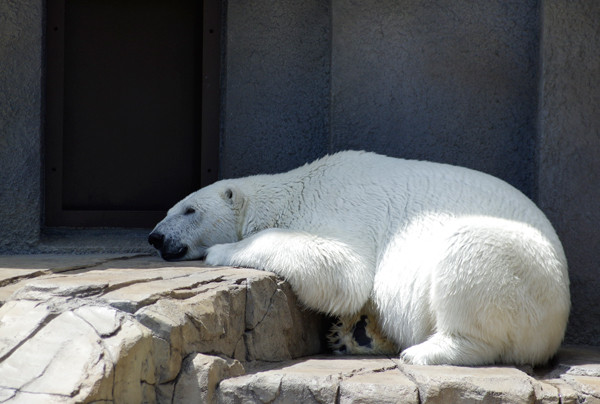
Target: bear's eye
x,y
189,211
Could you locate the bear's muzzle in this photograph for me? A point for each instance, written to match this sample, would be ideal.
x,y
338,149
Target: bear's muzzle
x,y
169,251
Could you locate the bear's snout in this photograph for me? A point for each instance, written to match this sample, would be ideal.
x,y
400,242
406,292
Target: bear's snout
x,y
169,251
156,240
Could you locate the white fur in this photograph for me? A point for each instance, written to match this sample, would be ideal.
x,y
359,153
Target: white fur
x,y
461,267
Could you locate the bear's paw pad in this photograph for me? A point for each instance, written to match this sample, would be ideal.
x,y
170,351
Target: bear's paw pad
x,y
359,335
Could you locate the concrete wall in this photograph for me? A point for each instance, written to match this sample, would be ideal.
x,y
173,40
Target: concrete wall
x,y
20,123
276,86
450,81
446,81
506,87
569,150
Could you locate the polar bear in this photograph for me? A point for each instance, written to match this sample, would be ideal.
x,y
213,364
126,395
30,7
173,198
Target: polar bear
x,y
459,267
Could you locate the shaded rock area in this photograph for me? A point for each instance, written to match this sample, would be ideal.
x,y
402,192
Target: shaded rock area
x,y
135,329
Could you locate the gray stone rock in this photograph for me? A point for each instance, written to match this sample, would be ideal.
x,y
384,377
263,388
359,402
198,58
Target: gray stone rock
x,y
322,380
18,321
118,329
578,361
200,375
388,386
271,306
488,385
65,358
565,393
443,384
105,320
139,330
587,387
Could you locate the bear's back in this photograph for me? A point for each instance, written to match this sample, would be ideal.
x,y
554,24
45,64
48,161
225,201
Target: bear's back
x,y
368,184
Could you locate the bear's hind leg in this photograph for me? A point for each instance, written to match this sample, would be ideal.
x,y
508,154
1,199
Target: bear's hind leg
x,y
499,294
442,349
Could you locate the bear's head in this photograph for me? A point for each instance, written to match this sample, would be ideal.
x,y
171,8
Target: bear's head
x,y
204,218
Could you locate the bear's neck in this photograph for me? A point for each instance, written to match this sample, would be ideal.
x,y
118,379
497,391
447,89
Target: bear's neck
x,y
272,201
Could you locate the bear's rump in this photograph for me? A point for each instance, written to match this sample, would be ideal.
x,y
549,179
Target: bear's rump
x,y
484,278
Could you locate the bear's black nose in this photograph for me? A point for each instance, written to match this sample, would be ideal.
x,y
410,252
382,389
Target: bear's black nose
x,y
156,240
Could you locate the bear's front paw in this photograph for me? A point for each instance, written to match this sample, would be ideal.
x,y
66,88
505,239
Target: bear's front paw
x,y
219,254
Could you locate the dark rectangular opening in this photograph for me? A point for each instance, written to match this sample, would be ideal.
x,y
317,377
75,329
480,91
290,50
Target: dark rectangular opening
x,y
131,109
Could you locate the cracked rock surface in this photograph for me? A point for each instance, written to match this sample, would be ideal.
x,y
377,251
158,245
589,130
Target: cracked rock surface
x,y
135,329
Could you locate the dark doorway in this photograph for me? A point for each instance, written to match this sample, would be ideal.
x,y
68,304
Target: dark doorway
x,y
132,108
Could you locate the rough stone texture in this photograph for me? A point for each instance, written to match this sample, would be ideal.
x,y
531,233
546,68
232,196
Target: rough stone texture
x,y
443,384
120,329
383,380
200,376
569,167
133,329
322,380
20,123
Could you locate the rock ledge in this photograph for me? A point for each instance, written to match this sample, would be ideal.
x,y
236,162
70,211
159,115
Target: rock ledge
x,y
132,329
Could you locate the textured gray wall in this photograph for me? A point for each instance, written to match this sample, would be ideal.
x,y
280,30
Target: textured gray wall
x,y
569,150
276,93
450,81
446,81
20,123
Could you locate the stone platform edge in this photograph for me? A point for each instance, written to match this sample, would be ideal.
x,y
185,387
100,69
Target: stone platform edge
x,y
133,328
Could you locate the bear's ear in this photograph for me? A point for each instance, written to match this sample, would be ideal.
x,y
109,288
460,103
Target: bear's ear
x,y
233,196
